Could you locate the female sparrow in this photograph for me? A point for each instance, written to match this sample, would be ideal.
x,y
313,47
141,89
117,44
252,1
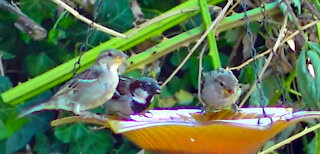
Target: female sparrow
x,y
132,96
89,89
219,89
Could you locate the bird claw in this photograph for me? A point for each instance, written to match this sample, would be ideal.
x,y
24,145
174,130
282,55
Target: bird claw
x,y
86,114
144,114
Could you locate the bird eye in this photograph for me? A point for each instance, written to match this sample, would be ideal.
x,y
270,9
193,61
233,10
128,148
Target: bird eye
x,y
221,84
110,54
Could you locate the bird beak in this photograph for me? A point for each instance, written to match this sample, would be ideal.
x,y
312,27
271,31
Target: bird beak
x,y
227,91
157,90
120,58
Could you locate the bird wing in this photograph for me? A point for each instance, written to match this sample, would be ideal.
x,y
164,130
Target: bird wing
x,y
84,79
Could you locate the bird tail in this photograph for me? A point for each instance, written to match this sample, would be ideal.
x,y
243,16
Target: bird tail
x,y
35,108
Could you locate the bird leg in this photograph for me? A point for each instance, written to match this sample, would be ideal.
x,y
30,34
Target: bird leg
x,y
235,108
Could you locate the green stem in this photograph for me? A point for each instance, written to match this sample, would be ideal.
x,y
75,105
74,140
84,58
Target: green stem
x,y
318,32
286,84
213,49
317,4
64,71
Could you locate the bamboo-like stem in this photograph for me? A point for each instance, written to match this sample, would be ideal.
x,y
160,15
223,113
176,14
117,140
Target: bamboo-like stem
x,y
212,43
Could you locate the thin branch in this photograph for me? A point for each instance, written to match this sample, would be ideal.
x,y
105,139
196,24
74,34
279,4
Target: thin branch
x,y
295,20
235,48
274,49
233,6
114,33
88,21
290,139
313,10
269,50
200,72
24,23
1,66
215,23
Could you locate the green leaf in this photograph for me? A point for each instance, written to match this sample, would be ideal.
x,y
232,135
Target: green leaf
x,y
195,21
98,37
77,32
184,97
26,38
127,147
178,56
55,35
66,22
5,84
255,98
307,85
161,6
72,133
174,85
38,9
38,64
297,4
232,35
193,75
118,17
84,140
96,142
6,55
49,144
7,17
11,125
37,123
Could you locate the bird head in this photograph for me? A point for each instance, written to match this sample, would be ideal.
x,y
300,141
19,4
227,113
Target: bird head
x,y
224,82
111,58
145,87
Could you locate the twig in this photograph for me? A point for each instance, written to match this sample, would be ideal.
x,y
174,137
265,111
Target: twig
x,y
290,139
313,10
218,19
274,49
88,21
235,48
269,50
1,66
24,23
232,7
200,72
295,21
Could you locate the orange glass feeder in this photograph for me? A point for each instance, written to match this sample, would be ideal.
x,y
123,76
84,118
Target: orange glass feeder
x,y
188,131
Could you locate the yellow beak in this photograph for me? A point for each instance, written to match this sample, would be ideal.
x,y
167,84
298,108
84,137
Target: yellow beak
x,y
227,91
119,59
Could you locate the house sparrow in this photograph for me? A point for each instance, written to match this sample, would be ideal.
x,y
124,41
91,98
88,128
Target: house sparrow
x,y
132,96
89,89
220,89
